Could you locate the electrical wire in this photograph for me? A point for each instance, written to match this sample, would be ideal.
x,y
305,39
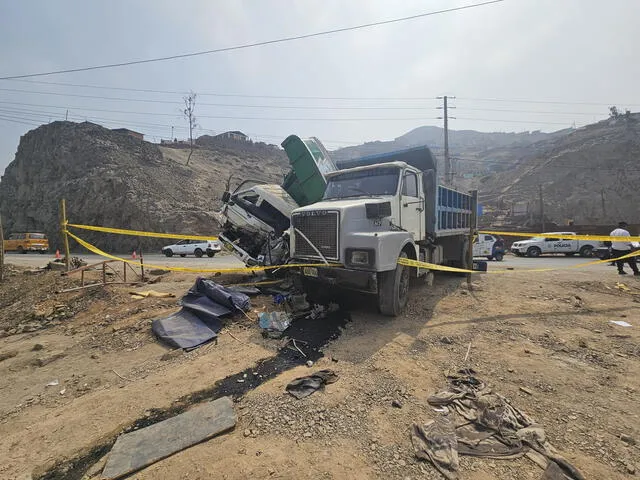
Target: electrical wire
x,y
251,45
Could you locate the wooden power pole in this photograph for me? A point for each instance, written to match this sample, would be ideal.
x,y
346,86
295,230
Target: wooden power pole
x,y
63,232
1,252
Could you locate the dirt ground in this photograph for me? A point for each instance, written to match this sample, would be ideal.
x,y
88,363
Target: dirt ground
x,y
79,368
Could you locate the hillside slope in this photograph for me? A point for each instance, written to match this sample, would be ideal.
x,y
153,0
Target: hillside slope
x,y
116,180
588,176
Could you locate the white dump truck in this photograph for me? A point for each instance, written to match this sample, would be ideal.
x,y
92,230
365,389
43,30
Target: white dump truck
x,y
375,211
554,242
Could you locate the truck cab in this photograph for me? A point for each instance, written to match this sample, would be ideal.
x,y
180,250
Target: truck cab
x,y
377,212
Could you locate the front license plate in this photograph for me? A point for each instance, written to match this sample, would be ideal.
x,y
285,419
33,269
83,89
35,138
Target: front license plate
x,y
310,271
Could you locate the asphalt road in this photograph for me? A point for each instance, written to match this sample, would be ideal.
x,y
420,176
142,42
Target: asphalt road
x,y
35,260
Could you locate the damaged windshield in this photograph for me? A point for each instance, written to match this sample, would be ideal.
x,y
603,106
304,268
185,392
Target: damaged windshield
x,y
371,182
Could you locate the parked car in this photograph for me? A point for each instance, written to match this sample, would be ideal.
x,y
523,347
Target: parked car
x,y
554,242
26,242
193,247
488,246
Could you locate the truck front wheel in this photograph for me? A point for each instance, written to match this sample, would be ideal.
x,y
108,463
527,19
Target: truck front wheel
x,y
393,289
533,252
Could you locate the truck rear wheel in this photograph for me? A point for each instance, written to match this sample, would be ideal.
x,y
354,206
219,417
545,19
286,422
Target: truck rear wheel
x,y
393,289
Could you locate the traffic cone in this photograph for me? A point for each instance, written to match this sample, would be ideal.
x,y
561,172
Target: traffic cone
x,y
58,257
134,255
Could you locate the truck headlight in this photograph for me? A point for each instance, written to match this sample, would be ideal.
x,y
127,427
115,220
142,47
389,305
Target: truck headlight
x,y
360,257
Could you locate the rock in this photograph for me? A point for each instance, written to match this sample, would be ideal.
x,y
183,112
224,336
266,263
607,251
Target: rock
x,y
95,469
95,356
526,390
47,359
158,271
307,434
396,404
631,468
582,344
446,340
247,432
309,363
61,267
173,354
3,333
7,355
36,347
628,439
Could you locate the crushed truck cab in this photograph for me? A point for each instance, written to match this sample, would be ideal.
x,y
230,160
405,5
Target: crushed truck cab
x,y
375,211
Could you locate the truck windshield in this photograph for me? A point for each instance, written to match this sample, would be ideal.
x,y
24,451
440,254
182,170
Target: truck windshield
x,y
375,181
40,236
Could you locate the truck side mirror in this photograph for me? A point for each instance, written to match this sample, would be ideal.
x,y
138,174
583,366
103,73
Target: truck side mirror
x,y
226,196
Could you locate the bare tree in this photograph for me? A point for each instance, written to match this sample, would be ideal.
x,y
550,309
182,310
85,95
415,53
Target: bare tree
x,y
190,105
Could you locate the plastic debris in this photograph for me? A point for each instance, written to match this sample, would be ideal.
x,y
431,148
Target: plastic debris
x,y
620,323
274,323
53,383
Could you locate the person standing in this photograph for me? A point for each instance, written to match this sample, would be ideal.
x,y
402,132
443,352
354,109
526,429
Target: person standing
x,y
622,248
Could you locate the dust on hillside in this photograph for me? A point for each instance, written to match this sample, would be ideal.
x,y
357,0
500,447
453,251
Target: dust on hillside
x,y
544,342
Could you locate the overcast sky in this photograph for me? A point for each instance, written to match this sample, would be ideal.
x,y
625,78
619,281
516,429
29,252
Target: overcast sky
x,y
541,51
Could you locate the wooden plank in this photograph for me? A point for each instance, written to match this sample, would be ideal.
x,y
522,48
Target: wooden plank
x,y
138,449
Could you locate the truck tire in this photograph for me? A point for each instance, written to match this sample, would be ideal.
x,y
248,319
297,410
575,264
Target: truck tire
x,y
168,252
211,253
533,252
498,256
21,250
586,251
198,252
393,289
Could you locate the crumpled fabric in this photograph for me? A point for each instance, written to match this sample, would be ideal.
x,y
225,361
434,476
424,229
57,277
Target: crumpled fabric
x,y
487,425
436,441
302,387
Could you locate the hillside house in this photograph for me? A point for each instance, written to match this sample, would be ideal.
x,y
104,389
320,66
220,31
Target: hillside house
x,y
235,135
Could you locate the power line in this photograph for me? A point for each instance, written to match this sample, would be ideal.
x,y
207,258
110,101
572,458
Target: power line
x,y
251,45
549,102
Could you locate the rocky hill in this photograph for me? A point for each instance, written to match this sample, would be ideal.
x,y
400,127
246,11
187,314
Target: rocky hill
x,y
116,180
589,176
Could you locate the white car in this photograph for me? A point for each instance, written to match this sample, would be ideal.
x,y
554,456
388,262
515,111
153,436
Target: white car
x,y
193,247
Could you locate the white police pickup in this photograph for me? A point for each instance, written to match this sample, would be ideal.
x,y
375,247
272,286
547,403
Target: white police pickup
x,y
554,242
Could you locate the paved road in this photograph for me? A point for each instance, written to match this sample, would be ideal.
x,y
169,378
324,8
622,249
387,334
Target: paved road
x,y
223,261
229,261
553,261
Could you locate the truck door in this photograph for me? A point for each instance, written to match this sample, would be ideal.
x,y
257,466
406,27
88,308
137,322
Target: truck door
x,y
411,204
565,246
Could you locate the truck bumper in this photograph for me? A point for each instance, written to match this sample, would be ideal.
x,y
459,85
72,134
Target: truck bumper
x,y
357,280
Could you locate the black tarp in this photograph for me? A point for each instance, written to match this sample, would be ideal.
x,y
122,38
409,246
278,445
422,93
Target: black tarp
x,y
199,319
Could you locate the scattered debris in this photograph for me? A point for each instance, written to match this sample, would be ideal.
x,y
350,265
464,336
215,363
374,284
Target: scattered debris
x,y
620,323
37,347
304,386
63,391
482,424
151,293
309,363
446,340
274,323
158,271
396,404
199,319
53,383
628,439
526,390
140,448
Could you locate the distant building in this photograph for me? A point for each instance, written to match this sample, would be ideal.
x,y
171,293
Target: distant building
x,y
235,135
126,131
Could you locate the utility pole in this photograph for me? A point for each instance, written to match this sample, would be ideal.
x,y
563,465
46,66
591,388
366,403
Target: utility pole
x,y
604,209
541,209
66,116
448,172
63,231
172,133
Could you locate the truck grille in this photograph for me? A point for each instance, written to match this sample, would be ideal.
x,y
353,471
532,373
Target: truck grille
x,y
321,228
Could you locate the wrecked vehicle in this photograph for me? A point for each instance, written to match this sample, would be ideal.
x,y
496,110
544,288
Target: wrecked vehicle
x,y
376,211
255,216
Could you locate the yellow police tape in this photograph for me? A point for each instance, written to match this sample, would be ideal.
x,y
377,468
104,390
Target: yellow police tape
x,y
432,266
140,233
102,253
595,238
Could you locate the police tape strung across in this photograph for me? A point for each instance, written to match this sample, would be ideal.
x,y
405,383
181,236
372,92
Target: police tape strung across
x,y
97,251
559,236
140,233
